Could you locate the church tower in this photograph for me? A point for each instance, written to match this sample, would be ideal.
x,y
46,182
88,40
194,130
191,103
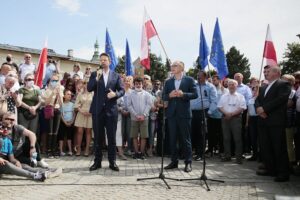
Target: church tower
x,y
96,52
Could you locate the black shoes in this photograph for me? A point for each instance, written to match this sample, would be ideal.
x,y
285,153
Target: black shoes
x,y
95,166
225,159
252,158
263,172
113,166
282,178
198,158
172,165
188,167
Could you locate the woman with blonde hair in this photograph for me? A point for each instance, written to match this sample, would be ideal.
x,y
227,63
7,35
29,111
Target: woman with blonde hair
x,y
53,99
83,120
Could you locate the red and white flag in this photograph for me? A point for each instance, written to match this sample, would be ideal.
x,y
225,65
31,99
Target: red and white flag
x,y
148,31
41,70
269,50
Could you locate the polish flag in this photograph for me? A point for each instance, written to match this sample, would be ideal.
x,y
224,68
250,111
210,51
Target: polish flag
x,y
269,50
41,70
148,31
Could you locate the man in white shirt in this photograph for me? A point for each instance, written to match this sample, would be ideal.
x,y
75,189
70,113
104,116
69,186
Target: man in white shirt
x,y
27,67
76,70
232,105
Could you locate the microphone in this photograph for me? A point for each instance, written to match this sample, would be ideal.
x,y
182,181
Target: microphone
x,y
99,72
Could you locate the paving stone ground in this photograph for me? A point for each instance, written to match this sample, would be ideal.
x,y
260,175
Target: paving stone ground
x,y
77,182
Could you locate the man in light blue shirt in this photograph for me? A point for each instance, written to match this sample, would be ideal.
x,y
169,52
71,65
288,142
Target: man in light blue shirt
x,y
205,104
246,92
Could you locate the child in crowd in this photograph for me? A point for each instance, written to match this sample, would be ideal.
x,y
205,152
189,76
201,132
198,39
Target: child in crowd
x,y
66,125
139,105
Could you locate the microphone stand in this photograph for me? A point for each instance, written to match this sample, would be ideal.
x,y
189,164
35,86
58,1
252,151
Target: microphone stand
x,y
161,175
203,176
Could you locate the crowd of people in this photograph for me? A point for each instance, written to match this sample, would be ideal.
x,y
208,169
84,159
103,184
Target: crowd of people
x,y
257,121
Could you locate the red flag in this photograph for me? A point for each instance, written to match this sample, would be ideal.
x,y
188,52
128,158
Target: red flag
x,y
269,50
40,73
148,31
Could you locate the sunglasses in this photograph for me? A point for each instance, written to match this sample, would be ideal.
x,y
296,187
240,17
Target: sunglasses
x,y
9,119
54,80
30,79
27,57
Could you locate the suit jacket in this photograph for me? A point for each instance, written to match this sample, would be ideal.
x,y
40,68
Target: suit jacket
x,y
274,103
100,102
180,106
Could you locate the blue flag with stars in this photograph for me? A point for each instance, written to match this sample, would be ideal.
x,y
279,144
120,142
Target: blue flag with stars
x,y
217,55
203,50
128,65
109,49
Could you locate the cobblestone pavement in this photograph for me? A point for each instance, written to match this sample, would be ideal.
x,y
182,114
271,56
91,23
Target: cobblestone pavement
x,y
77,182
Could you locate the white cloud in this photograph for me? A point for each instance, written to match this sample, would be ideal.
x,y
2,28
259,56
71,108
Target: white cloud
x,y
71,6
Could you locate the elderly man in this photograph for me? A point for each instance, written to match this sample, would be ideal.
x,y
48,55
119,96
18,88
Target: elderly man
x,y
76,71
178,92
26,67
5,68
246,92
232,106
271,106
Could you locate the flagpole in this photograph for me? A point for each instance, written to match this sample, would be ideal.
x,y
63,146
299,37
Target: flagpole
x,y
262,61
161,43
208,70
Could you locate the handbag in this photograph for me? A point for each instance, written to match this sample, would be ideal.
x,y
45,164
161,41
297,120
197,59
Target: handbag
x,y
49,110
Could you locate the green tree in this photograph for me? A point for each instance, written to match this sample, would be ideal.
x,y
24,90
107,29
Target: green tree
x,y
291,59
121,65
158,70
236,62
193,72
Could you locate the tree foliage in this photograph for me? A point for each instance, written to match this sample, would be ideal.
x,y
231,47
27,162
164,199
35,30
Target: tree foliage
x,y
158,70
237,62
291,59
121,65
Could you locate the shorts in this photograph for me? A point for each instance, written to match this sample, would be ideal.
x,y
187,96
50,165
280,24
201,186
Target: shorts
x,y
139,127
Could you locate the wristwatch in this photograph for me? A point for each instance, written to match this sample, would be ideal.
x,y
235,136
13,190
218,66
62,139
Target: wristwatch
x,y
32,147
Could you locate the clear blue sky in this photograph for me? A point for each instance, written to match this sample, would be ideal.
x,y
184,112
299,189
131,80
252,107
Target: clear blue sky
x,y
75,24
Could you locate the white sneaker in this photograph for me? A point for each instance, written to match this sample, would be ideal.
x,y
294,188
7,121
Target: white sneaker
x,y
40,176
42,163
62,154
54,172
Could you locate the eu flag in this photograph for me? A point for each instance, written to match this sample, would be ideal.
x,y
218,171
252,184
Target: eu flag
x,y
203,50
128,65
217,55
109,49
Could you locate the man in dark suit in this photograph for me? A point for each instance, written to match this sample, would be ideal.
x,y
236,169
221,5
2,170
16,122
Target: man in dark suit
x,y
178,92
271,106
107,87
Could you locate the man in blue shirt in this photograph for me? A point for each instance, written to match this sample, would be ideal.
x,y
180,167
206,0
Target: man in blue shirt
x,y
246,92
206,103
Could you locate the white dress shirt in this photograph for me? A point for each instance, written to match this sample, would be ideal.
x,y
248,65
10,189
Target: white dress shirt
x,y
232,102
105,77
